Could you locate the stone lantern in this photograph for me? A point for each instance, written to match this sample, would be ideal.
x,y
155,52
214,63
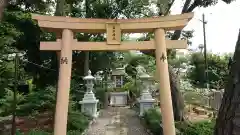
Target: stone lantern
x,y
89,101
146,101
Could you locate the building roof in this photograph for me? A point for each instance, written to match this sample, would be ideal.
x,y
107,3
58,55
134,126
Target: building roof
x,y
118,71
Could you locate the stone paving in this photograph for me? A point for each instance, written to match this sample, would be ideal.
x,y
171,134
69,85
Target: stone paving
x,y
117,121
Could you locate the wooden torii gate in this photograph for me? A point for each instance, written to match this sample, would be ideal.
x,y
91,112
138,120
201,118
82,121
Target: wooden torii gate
x,y
66,27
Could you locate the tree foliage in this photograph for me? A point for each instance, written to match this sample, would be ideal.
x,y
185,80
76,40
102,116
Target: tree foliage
x,y
217,70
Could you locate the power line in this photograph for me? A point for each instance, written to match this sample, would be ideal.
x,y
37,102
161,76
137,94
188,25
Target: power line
x,y
203,21
41,66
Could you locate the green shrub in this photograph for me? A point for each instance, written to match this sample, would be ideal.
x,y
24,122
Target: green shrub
x,y
6,102
133,87
77,121
100,95
33,132
153,119
37,132
199,128
44,100
77,90
40,100
74,132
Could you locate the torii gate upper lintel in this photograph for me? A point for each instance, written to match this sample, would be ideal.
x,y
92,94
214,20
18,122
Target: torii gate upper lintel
x,y
86,25
114,29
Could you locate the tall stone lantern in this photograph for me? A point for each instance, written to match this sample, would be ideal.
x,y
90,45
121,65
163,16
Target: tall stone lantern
x,y
146,101
89,101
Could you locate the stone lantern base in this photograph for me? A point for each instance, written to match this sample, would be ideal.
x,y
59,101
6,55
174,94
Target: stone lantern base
x,y
145,104
89,104
118,98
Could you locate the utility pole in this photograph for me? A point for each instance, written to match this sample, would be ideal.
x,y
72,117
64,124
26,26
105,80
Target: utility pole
x,y
205,50
14,105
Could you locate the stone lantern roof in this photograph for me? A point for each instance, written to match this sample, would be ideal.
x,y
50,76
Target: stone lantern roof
x,y
145,76
89,76
118,72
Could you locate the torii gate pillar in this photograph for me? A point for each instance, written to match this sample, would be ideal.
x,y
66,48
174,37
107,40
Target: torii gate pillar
x,y
61,113
165,91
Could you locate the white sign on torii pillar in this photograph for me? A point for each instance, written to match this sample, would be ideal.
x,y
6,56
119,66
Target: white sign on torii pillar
x,y
66,27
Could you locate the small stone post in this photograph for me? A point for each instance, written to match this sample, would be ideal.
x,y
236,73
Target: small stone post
x,y
146,101
216,99
98,79
89,101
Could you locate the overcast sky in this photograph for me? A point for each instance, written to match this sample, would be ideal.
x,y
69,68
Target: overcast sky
x,y
222,27
223,24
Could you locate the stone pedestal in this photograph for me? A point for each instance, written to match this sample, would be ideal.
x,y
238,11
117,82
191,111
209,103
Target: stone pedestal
x,y
118,98
89,104
145,105
146,102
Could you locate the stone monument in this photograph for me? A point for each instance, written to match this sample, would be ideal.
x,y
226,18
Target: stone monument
x,y
89,101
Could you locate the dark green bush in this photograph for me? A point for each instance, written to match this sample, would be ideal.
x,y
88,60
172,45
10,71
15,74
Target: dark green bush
x,y
77,121
199,128
153,120
44,100
6,102
38,100
133,86
74,132
39,132
100,95
34,132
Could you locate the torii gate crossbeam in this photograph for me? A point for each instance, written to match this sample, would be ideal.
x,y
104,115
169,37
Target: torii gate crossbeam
x,y
66,27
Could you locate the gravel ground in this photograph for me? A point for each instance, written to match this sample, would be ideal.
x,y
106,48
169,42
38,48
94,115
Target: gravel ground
x,y
117,121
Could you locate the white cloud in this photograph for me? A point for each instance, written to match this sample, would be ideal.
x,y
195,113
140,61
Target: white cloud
x,y
222,27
